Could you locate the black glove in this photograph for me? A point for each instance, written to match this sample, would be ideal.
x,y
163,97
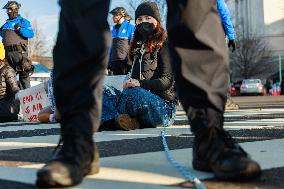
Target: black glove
x,y
17,27
232,44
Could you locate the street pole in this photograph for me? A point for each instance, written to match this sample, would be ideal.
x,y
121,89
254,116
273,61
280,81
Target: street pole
x,y
280,69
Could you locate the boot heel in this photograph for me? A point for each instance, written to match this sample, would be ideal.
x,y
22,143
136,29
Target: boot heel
x,y
95,168
95,165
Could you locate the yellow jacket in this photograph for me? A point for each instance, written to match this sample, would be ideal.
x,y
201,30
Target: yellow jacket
x,y
2,52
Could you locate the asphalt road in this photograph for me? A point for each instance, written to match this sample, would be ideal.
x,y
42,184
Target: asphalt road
x,y
24,146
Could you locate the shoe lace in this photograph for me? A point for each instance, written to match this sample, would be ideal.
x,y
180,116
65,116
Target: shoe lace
x,y
230,142
59,144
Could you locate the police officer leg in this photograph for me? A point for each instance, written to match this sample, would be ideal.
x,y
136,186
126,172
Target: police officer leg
x,y
80,58
24,79
201,60
14,58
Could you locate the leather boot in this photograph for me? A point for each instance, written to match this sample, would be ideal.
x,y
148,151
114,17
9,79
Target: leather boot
x,y
126,122
77,158
214,150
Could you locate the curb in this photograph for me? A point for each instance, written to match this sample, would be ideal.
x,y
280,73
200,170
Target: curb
x,y
239,118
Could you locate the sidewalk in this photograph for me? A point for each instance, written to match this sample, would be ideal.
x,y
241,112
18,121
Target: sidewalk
x,y
153,171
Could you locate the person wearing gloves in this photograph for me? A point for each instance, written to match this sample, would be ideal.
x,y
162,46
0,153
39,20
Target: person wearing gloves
x,y
148,98
226,20
9,107
229,30
15,34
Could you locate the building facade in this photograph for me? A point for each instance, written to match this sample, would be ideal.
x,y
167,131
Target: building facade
x,y
263,18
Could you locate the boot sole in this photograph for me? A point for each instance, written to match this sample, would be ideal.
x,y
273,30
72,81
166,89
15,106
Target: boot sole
x,y
47,180
241,176
95,165
249,174
233,176
95,168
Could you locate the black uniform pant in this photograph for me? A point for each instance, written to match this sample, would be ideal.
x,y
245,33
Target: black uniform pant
x,y
14,59
198,53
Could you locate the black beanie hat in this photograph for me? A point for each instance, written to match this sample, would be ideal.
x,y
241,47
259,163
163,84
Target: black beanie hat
x,y
148,8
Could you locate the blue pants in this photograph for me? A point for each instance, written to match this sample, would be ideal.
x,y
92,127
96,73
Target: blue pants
x,y
149,109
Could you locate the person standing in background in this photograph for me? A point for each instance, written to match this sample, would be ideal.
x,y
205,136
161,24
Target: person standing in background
x,y
15,34
122,34
229,31
227,24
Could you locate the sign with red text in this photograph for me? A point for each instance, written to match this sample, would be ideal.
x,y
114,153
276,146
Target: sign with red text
x,y
32,101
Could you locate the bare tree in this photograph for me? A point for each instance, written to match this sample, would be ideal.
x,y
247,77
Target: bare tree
x,y
133,4
163,8
251,57
37,45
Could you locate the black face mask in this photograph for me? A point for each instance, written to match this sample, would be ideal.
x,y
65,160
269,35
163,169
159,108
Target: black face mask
x,y
145,29
12,13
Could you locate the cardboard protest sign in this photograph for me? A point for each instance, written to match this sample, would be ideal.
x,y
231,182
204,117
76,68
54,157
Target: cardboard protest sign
x,y
115,80
32,101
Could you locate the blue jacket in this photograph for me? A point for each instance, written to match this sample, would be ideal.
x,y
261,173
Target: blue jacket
x,y
26,28
226,19
125,31
121,39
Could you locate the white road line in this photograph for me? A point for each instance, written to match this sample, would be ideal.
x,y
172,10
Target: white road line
x,y
29,127
175,130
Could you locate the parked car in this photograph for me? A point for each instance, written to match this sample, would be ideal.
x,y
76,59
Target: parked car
x,y
252,86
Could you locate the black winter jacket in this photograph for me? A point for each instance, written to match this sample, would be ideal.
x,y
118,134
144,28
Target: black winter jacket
x,y
156,72
8,84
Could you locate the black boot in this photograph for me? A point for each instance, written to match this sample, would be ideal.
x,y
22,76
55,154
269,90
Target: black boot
x,y
77,158
215,151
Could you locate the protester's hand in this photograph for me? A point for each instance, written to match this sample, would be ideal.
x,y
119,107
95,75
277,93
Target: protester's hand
x,y
131,83
135,82
126,84
17,27
232,44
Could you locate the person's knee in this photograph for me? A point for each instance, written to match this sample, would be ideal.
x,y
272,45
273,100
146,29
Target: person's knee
x,y
136,93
